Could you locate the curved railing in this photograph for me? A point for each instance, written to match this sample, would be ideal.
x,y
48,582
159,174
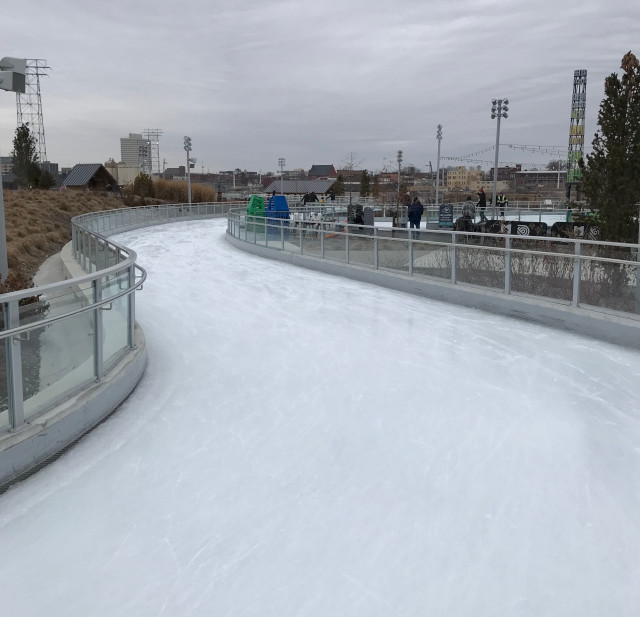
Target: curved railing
x,y
63,340
557,274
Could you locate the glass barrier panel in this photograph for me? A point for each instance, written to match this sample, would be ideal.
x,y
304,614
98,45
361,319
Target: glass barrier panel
x,y
393,253
115,328
4,398
56,360
313,239
293,236
335,242
477,265
114,284
610,285
535,244
432,259
273,231
362,247
56,302
548,276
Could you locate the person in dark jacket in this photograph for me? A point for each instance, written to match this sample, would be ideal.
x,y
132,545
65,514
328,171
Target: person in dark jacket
x,y
415,211
482,203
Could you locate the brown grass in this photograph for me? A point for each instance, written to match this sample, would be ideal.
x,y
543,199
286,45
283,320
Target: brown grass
x,y
38,225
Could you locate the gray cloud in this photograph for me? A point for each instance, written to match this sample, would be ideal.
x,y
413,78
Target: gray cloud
x,y
312,82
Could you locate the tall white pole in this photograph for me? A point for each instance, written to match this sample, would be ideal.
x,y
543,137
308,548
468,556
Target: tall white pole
x,y
499,109
281,162
189,177
187,149
495,168
439,138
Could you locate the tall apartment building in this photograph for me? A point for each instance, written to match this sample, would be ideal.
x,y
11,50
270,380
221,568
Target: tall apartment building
x,y
135,151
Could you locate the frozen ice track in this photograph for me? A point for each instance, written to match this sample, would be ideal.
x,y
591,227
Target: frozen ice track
x,y
306,445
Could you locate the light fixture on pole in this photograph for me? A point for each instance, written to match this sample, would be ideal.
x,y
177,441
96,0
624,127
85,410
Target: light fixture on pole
x,y
281,162
499,109
12,79
187,148
439,138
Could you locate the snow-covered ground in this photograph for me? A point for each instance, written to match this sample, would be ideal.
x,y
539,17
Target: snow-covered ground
x,y
308,445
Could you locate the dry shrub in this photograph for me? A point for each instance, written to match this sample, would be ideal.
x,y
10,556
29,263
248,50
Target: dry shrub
x,y
38,225
176,191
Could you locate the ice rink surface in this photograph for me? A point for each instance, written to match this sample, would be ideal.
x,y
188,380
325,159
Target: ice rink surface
x,y
304,445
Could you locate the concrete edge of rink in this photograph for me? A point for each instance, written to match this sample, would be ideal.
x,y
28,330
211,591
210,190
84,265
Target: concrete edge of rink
x,y
605,326
47,436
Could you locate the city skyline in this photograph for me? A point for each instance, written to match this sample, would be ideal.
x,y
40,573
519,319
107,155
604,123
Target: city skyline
x,y
314,84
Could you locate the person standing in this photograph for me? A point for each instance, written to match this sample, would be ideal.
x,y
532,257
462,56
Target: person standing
x,y
332,194
503,202
482,204
415,211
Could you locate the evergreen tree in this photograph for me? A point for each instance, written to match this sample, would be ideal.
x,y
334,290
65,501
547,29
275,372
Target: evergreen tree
x,y
376,186
143,186
611,176
365,184
338,186
25,157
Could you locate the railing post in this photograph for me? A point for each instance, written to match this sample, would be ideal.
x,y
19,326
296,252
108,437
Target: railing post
x,y
507,266
98,342
322,228
15,396
375,248
346,244
410,252
453,258
577,273
131,307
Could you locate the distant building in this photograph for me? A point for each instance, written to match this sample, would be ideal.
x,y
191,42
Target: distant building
x,y
132,150
90,177
322,171
506,173
537,179
124,174
464,179
6,164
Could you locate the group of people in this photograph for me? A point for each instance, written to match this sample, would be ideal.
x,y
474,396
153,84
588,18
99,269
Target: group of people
x,y
501,201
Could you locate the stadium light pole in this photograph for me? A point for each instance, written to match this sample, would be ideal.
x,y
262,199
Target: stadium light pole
x,y
12,79
399,159
499,109
281,162
187,148
439,138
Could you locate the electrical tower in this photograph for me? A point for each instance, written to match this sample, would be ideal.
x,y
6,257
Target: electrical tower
x,y
576,129
29,105
153,137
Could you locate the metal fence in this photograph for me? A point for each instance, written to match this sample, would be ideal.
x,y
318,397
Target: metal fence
x,y
599,276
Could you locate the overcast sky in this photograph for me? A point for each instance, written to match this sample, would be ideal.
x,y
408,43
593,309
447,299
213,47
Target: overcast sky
x,y
314,82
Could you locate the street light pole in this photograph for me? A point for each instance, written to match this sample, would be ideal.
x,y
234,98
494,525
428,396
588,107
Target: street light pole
x,y
399,158
499,109
281,162
439,138
12,79
187,147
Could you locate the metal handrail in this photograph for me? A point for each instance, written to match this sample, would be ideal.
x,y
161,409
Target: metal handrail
x,y
625,302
